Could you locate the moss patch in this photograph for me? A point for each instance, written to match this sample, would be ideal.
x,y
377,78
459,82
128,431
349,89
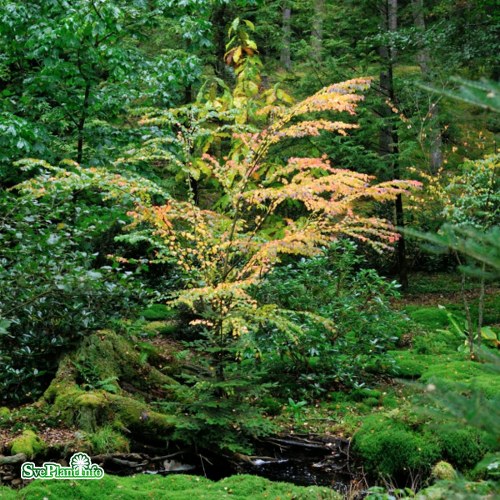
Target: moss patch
x,y
463,447
412,365
470,374
390,448
178,487
430,317
445,490
158,312
28,443
108,440
80,396
443,471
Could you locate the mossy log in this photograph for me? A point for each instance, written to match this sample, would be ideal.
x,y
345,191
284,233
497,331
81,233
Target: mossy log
x,y
106,382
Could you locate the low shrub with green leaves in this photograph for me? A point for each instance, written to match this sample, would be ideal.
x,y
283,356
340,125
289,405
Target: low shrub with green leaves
x,y
337,287
56,284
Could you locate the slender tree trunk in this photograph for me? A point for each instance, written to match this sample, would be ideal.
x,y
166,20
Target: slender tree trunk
x,y
424,61
286,28
317,29
81,123
389,140
480,307
468,316
219,23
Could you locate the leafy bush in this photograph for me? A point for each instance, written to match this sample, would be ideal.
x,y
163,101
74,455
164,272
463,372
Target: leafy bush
x,y
55,284
355,300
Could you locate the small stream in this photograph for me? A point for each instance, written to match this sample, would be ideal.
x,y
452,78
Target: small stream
x,y
302,460
305,462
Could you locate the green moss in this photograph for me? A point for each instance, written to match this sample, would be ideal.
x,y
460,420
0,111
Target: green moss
x,y
460,489
390,401
178,487
363,394
108,440
165,328
412,365
430,317
463,447
371,402
443,471
390,448
91,410
436,342
158,312
106,355
4,413
468,373
28,443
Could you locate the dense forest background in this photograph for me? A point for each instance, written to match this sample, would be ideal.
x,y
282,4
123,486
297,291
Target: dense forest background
x,y
209,209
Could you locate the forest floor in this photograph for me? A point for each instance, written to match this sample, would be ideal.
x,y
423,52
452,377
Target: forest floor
x,y
430,352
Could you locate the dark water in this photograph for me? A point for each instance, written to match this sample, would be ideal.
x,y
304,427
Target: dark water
x,y
324,463
299,460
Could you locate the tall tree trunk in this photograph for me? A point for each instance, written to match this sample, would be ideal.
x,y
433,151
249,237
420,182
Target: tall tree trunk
x,y
317,29
219,19
286,28
424,61
81,123
389,140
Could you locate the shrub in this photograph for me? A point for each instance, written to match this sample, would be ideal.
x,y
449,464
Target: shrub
x,y
355,300
55,286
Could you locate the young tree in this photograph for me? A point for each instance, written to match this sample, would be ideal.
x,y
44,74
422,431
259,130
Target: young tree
x,y
266,209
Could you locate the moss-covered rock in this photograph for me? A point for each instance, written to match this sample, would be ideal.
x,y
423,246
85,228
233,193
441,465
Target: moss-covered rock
x,y
390,448
108,440
28,443
463,447
443,471
79,396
